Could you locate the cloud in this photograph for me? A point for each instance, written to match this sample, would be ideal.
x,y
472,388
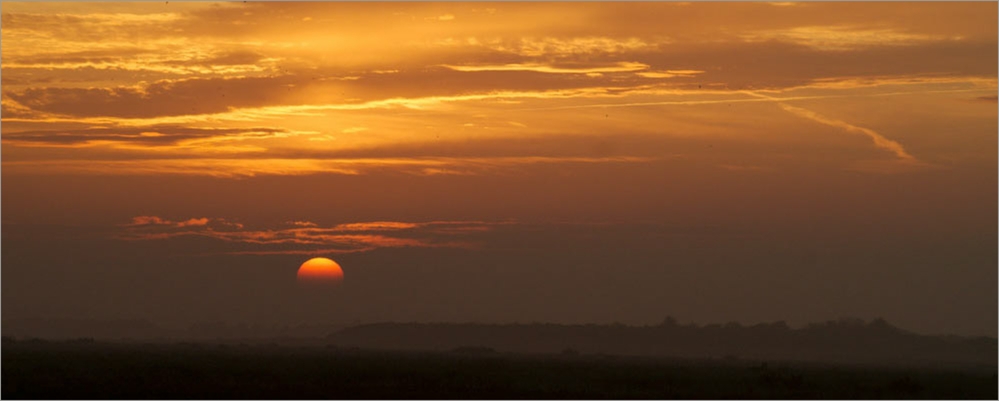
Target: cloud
x,y
844,37
193,222
232,57
311,110
353,130
669,73
189,98
162,98
375,226
736,65
12,109
163,66
163,91
781,64
555,47
145,223
149,220
968,82
303,223
308,237
153,136
251,167
27,21
558,47
879,140
553,69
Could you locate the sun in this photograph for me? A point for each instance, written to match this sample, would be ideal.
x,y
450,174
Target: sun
x,y
320,272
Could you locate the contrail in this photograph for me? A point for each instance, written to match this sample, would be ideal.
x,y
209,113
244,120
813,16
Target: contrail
x,y
879,140
757,98
672,103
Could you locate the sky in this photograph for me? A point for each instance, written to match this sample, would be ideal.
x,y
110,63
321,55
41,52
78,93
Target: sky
x,y
501,162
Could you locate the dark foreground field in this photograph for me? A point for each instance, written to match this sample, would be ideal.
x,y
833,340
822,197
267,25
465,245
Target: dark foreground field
x,y
36,369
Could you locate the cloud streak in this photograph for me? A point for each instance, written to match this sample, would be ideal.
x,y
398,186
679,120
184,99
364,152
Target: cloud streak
x,y
146,136
844,37
242,167
307,238
879,140
247,89
554,69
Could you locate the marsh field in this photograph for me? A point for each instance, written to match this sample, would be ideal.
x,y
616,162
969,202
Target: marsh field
x,y
85,369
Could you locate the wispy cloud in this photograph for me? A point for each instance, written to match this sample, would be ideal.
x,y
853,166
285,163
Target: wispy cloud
x,y
242,167
554,69
303,223
554,47
151,136
99,89
300,237
842,37
879,140
376,226
51,107
669,73
142,223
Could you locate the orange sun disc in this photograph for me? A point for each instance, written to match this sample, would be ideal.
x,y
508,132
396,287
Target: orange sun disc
x,y
320,271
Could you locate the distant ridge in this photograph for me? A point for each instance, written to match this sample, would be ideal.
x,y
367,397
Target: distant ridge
x,y
143,330
67,328
839,341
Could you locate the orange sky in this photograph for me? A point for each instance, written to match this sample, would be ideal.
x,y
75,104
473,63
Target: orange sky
x,y
200,88
319,129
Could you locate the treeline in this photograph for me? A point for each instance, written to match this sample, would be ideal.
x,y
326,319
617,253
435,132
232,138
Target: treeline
x,y
844,340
